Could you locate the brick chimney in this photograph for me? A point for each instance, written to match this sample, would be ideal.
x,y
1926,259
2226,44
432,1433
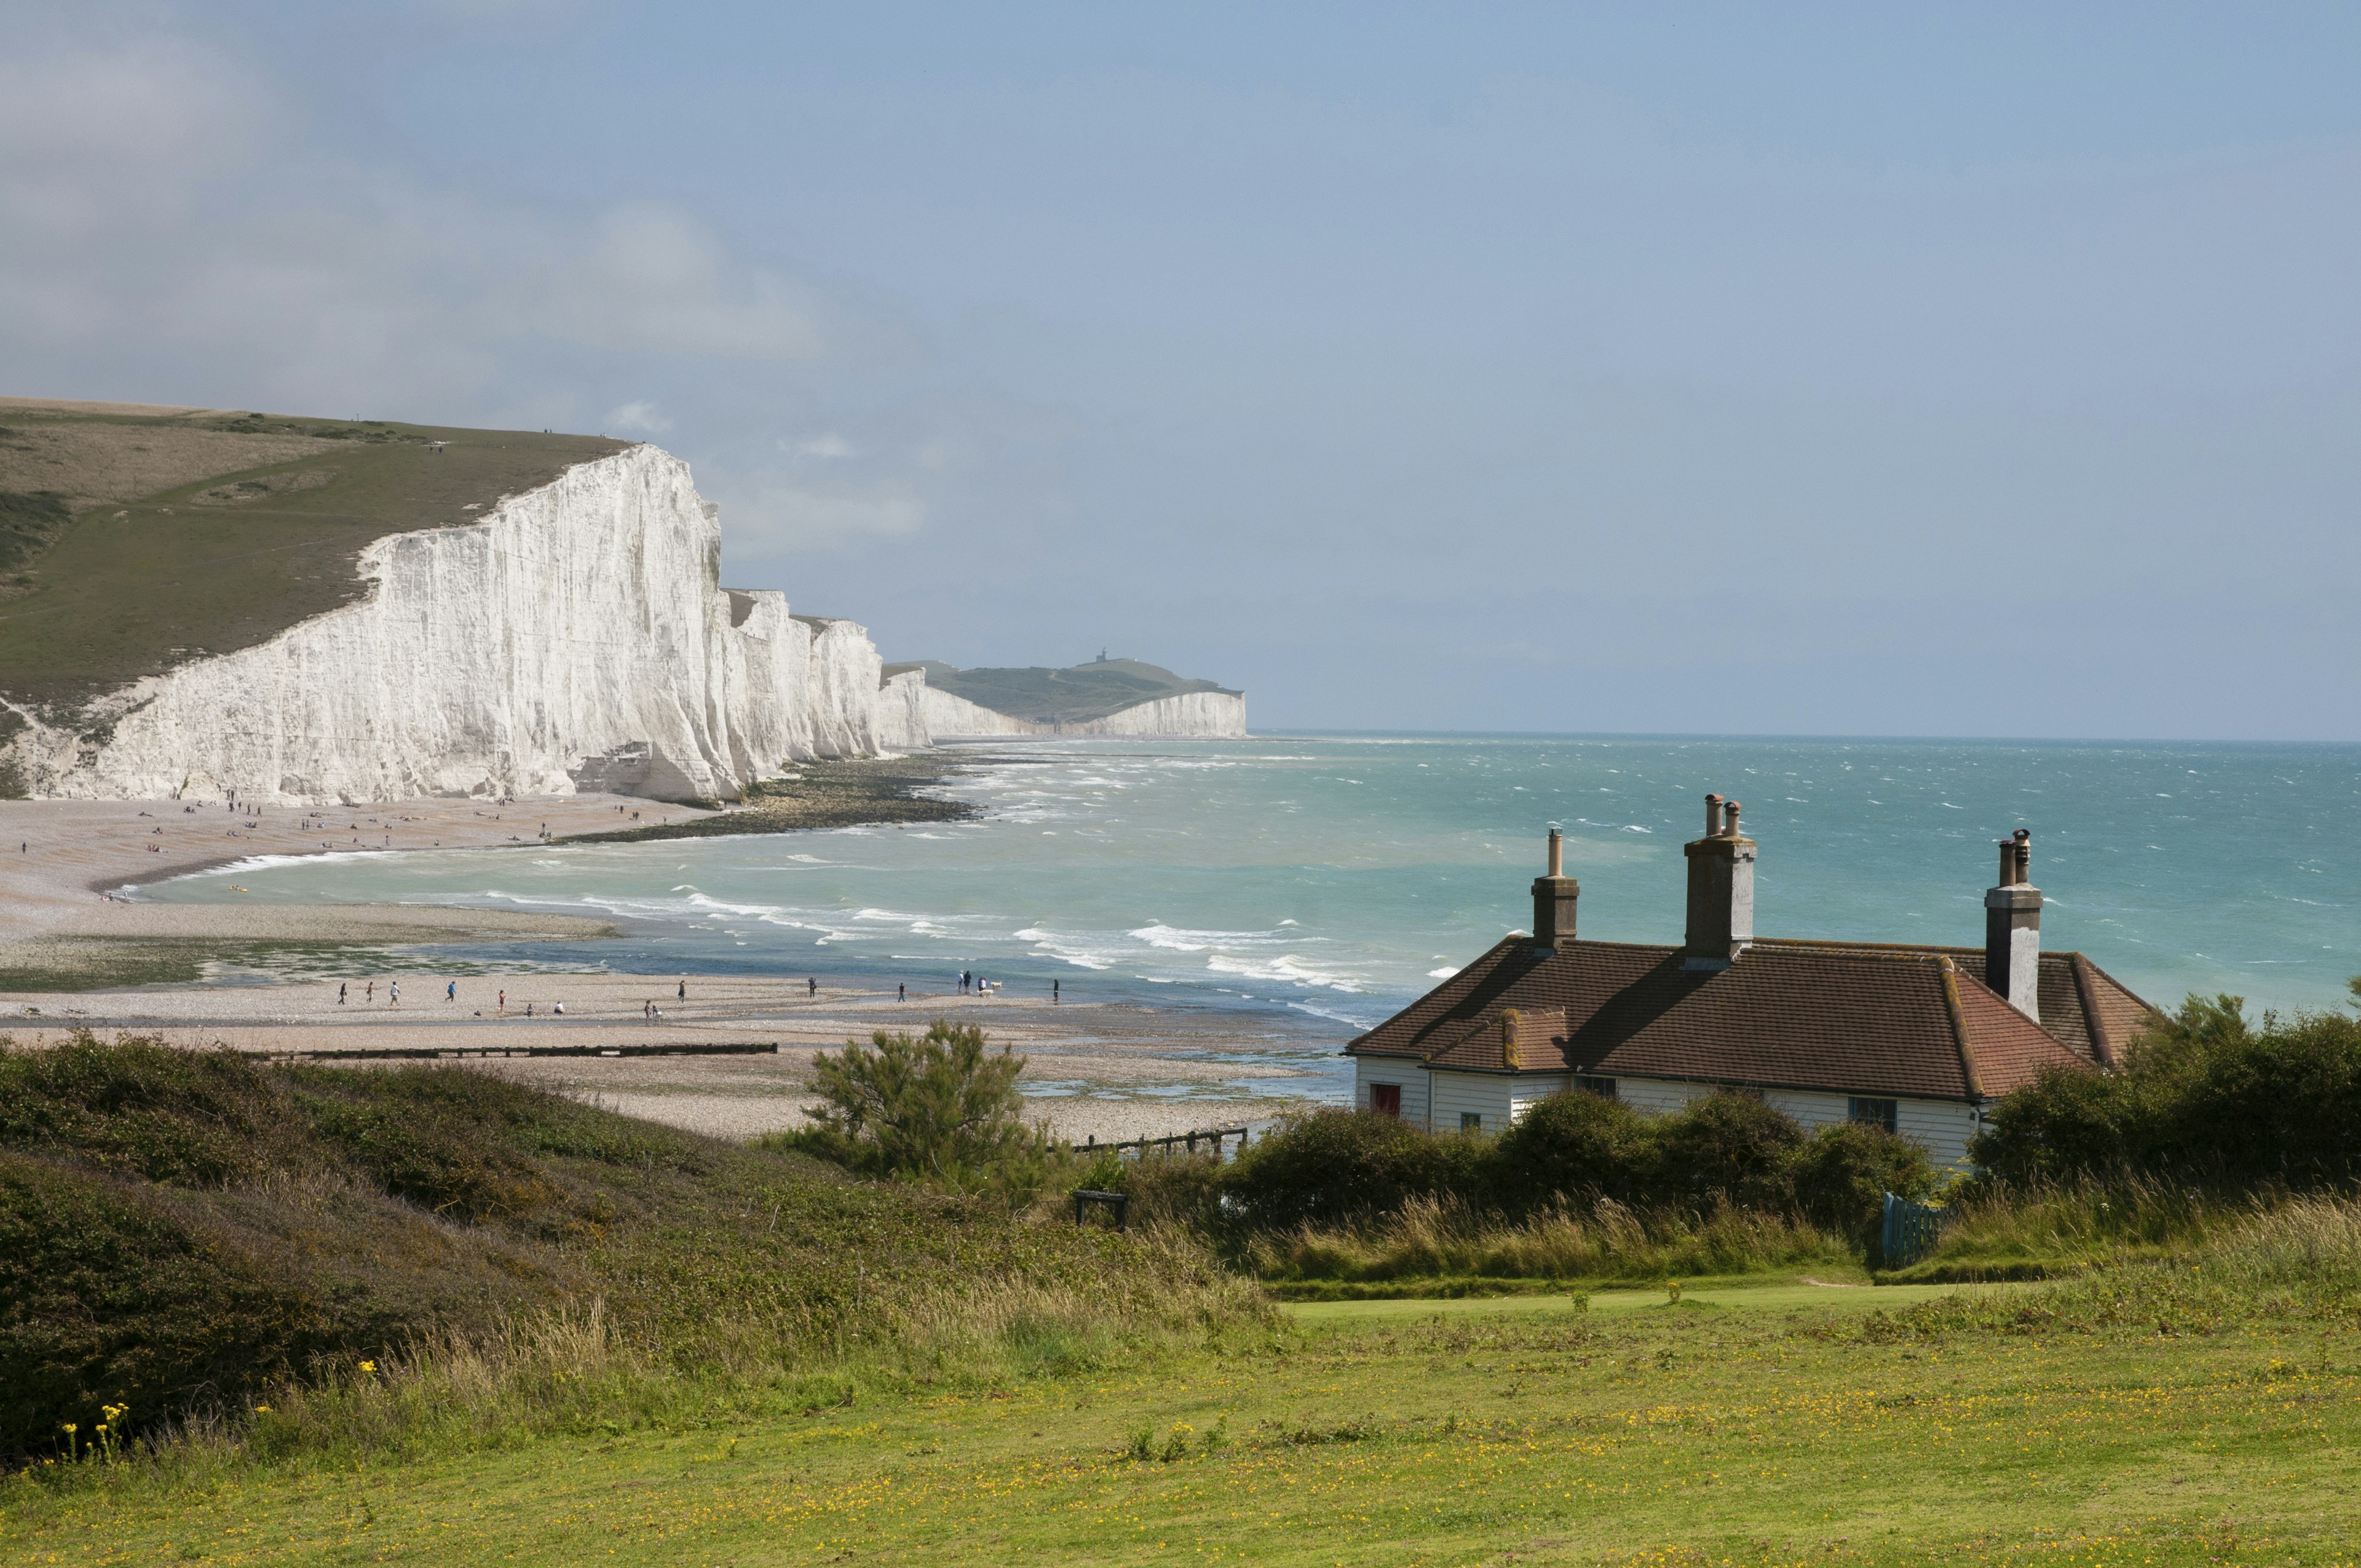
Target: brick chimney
x,y
1721,889
2013,929
1553,897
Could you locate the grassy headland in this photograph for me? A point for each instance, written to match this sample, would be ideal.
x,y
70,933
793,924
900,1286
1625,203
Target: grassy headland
x,y
133,540
846,793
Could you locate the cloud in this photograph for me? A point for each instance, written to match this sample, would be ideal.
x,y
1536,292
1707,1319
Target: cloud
x,y
821,515
167,235
643,417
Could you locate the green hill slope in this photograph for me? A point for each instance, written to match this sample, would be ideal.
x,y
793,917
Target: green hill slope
x,y
133,538
186,1230
1072,696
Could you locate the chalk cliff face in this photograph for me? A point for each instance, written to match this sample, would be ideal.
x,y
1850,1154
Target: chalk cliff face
x,y
1207,714
1210,714
577,638
947,715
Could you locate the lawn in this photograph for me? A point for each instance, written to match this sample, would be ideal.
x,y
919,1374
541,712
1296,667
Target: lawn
x,y
1783,1424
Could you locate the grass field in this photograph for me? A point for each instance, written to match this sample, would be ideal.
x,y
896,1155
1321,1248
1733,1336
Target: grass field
x,y
1781,1424
204,531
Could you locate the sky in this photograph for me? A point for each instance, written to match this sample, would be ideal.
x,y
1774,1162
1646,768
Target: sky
x,y
1987,370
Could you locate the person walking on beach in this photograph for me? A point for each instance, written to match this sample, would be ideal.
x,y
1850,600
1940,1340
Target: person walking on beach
x,y
370,994
811,988
1054,991
451,991
902,993
340,993
684,990
504,1003
396,989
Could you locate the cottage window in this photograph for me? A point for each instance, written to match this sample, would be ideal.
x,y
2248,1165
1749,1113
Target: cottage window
x,y
1471,1121
1602,1087
1385,1099
1876,1113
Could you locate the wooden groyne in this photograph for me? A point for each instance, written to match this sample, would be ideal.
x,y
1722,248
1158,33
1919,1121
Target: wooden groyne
x,y
1189,1142
444,1053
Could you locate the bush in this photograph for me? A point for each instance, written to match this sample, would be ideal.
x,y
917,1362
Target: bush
x,y
1331,1166
1838,1176
937,1108
2206,1097
1726,1147
1571,1145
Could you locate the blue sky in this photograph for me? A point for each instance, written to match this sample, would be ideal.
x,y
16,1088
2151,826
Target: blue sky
x,y
1970,370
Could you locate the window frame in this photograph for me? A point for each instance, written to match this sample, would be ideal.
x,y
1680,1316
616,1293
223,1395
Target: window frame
x,y
1874,1110
1471,1121
1380,1093
1592,1083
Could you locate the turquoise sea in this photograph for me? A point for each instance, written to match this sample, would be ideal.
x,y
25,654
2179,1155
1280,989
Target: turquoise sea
x,y
1320,881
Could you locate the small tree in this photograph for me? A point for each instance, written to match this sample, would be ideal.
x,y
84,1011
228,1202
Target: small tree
x,y
941,1108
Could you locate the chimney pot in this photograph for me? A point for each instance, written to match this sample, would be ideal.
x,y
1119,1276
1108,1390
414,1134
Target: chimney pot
x,y
2013,929
1554,897
1721,889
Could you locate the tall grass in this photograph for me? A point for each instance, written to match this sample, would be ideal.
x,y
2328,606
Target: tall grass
x,y
1999,1231
577,1370
1429,1237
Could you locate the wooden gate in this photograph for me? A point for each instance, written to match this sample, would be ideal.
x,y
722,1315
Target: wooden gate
x,y
1911,1231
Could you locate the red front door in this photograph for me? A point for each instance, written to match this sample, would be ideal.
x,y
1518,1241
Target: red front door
x,y
1385,1099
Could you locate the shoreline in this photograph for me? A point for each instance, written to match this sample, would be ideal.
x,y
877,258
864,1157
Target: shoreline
x,y
1103,1070
62,927
74,958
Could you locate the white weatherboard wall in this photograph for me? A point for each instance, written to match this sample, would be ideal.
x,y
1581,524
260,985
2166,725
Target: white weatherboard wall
x,y
1411,1077
1943,1127
577,637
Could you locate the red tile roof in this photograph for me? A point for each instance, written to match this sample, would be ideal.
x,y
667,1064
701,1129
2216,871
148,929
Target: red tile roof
x,y
1849,1018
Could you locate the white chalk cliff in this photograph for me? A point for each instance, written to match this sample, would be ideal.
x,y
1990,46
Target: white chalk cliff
x,y
1186,715
577,637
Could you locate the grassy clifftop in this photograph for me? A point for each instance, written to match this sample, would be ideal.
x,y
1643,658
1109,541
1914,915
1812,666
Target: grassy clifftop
x,y
1073,695
133,538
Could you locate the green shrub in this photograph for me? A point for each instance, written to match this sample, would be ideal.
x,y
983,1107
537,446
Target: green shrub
x,y
2206,1097
1838,1178
1729,1147
939,1108
1330,1166
1572,1144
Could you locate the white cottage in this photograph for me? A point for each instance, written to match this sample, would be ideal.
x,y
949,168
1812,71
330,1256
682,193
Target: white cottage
x,y
1919,1040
